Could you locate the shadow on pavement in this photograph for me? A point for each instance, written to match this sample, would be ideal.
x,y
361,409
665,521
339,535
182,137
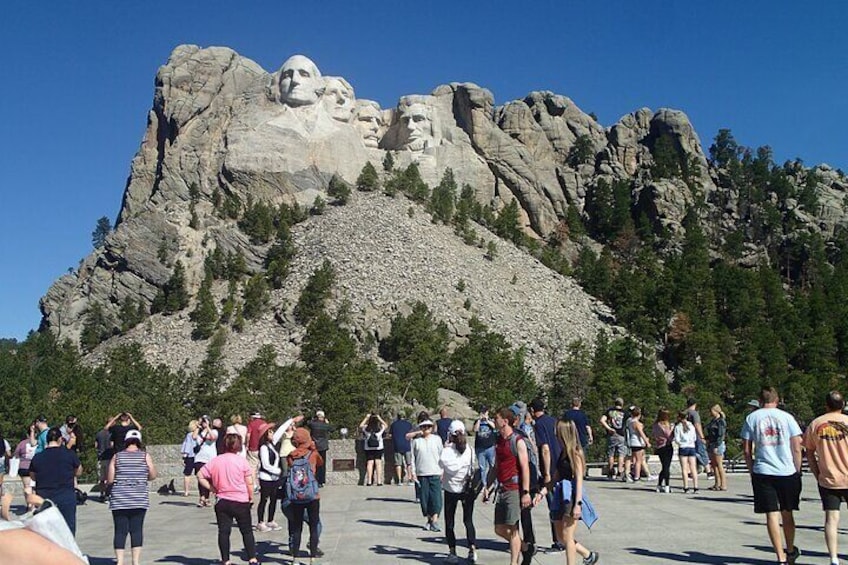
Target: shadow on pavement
x,y
401,553
182,560
391,524
402,500
698,557
185,503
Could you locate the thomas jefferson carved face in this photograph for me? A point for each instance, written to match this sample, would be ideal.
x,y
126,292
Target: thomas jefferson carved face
x,y
300,81
338,98
369,121
417,126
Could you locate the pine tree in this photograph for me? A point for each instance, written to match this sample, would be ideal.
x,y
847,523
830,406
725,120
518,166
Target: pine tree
x,y
443,199
205,314
172,297
388,162
255,296
368,180
338,189
315,293
101,231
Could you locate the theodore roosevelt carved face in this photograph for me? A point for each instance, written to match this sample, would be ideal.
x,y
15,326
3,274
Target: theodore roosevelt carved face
x,y
300,81
369,122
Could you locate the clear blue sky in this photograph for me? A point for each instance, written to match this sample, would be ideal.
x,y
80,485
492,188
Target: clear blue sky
x,y
78,83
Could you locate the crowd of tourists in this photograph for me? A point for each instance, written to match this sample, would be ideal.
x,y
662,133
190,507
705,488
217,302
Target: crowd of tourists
x,y
520,456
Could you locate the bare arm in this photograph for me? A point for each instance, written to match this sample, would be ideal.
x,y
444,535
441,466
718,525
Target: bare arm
x,y
590,434
204,482
546,463
26,547
748,448
524,473
151,468
134,421
797,456
605,425
110,474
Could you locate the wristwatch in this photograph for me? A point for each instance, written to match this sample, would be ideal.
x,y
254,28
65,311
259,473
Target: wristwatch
x,y
579,503
523,492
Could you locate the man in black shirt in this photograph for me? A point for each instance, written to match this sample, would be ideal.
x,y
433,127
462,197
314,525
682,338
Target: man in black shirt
x,y
320,429
118,428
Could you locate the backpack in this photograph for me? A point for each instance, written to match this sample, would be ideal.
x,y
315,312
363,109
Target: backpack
x,y
302,486
532,456
373,441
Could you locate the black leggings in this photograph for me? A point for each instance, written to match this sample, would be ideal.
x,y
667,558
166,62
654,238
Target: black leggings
x,y
451,501
128,522
296,526
267,495
225,511
665,454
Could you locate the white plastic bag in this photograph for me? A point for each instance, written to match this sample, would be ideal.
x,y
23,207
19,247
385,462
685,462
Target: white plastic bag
x,y
49,523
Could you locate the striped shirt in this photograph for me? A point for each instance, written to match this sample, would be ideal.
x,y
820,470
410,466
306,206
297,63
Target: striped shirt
x,y
130,490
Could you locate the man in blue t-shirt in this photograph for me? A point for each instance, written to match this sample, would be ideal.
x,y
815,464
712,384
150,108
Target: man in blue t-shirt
x,y
772,445
581,421
549,453
443,424
403,450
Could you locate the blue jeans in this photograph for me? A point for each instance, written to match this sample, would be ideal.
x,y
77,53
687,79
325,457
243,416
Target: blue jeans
x,y
486,460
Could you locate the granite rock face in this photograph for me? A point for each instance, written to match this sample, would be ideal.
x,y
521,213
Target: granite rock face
x,y
222,127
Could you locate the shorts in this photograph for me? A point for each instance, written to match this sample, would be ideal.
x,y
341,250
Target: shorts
x,y
832,498
23,472
508,508
188,466
616,447
102,468
686,452
717,449
637,448
402,459
773,493
373,454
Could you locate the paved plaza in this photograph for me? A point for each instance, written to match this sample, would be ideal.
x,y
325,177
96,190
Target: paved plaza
x,y
370,525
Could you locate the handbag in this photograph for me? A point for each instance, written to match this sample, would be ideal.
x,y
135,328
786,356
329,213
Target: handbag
x,y
473,483
47,522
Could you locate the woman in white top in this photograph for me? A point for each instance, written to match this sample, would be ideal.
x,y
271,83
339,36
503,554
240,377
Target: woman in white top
x,y
638,441
684,437
458,462
205,436
236,427
373,427
270,475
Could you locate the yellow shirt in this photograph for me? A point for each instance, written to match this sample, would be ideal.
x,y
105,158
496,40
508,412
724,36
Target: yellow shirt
x,y
827,440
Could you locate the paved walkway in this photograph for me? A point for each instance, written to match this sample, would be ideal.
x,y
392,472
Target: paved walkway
x,y
370,525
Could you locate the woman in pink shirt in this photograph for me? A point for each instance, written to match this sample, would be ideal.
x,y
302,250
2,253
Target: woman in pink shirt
x,y
230,477
663,435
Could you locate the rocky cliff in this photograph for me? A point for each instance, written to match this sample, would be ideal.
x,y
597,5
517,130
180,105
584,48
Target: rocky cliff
x,y
221,127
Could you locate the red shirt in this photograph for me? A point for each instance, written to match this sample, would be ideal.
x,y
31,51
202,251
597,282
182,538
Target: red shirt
x,y
253,430
507,464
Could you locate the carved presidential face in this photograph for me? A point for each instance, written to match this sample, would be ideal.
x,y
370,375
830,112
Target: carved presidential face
x,y
369,122
417,126
300,81
338,99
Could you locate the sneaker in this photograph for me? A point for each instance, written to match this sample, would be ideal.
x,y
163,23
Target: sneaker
x,y
317,553
653,477
667,489
434,527
557,547
472,556
660,489
792,556
452,558
694,491
262,527
527,554
592,559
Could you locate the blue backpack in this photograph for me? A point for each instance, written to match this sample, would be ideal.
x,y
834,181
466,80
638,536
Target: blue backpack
x,y
302,486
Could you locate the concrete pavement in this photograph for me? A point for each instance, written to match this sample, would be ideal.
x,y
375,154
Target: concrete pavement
x,y
370,525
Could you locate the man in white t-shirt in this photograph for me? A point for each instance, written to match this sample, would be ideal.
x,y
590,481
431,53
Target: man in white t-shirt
x,y
772,444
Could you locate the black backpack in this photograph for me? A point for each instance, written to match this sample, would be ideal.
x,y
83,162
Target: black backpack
x,y
373,440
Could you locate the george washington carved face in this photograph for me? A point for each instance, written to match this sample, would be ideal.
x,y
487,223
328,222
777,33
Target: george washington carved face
x,y
300,81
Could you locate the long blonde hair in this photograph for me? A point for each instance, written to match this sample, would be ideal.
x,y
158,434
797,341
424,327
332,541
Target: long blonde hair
x,y
569,440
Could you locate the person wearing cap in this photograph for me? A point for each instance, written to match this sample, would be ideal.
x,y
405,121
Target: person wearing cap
x,y
53,471
613,423
129,471
320,429
254,438
426,453
753,404
458,462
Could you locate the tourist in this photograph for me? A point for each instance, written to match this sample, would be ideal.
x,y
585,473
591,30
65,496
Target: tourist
x,y
270,476
5,455
522,425
569,467
685,436
253,441
613,423
772,447
118,426
581,420
129,471
826,441
457,464
205,439
41,429
229,476
236,427
402,448
637,441
103,447
485,435
443,424
694,417
54,471
372,428
320,428
24,452
549,452
426,453
218,428
716,433
72,434
513,473
663,434
187,450
303,463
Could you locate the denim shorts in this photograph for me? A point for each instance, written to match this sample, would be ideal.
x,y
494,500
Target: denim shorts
x,y
717,449
686,452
